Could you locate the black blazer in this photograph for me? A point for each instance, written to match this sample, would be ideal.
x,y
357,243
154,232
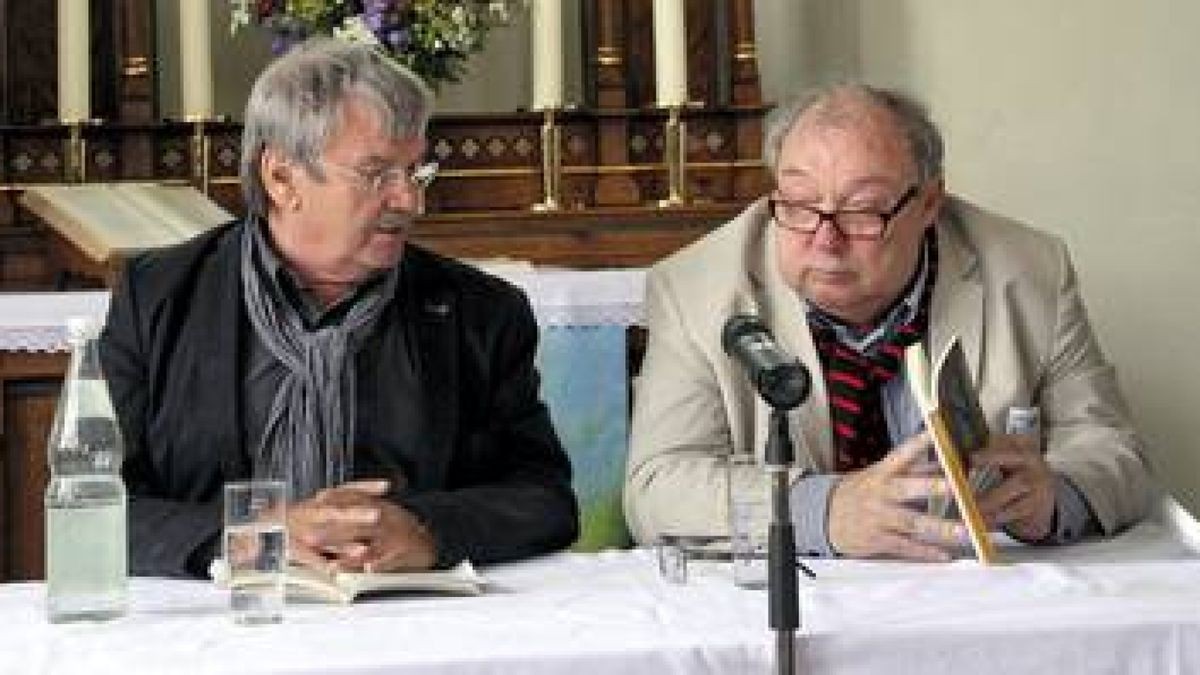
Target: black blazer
x,y
495,482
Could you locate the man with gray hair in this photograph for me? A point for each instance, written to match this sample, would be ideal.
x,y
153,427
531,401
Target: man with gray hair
x,y
394,390
855,254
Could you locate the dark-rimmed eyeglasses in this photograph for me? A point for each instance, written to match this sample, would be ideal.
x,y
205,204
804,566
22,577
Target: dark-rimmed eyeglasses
x,y
851,224
379,181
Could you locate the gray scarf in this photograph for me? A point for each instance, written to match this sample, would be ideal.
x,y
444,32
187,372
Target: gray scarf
x,y
309,435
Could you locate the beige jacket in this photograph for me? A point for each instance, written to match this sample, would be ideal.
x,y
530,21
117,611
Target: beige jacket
x,y
1008,291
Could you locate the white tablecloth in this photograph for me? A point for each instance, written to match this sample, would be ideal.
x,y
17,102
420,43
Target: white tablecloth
x,y
1130,605
35,321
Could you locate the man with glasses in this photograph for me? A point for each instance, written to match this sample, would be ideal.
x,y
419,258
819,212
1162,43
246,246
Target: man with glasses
x,y
392,389
856,254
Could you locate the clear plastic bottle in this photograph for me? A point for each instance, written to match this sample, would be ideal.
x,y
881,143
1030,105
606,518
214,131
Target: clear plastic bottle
x,y
87,573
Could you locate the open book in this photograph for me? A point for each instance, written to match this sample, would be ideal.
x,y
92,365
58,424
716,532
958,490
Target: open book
x,y
304,584
106,220
957,426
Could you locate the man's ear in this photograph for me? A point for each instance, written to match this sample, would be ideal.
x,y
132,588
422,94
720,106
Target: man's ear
x,y
279,180
930,200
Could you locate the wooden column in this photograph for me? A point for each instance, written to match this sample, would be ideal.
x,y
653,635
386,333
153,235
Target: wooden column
x,y
744,54
614,187
137,91
30,61
750,180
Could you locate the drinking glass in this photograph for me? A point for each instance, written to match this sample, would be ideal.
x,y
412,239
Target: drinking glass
x,y
748,492
255,549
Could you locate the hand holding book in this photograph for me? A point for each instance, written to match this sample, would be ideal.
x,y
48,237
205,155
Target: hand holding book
x,y
954,419
872,512
1022,501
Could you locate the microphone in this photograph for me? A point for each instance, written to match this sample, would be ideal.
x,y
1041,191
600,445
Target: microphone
x,y
780,379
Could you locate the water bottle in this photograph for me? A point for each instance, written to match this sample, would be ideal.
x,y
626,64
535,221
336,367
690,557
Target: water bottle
x,y
86,561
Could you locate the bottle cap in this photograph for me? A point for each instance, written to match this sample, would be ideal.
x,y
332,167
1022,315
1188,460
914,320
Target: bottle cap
x,y
1023,420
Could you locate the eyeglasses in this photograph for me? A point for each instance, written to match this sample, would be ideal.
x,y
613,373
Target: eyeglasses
x,y
378,181
851,224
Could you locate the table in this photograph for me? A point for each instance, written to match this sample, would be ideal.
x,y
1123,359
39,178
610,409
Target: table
x,y
1127,605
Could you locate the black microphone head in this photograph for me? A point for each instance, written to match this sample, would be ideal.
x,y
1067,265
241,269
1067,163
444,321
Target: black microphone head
x,y
738,326
779,378
786,387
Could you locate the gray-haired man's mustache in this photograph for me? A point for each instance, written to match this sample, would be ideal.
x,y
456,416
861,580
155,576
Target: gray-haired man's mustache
x,y
399,224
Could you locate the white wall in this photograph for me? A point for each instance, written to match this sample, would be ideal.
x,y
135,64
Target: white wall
x,y
1079,116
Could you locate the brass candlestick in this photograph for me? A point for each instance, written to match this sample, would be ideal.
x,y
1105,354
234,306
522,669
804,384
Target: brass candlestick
x,y
551,163
675,158
75,151
200,148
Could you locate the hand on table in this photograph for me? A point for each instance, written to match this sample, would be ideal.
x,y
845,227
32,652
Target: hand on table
x,y
352,527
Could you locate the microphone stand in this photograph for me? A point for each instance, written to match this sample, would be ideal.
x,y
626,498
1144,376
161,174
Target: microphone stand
x,y
782,591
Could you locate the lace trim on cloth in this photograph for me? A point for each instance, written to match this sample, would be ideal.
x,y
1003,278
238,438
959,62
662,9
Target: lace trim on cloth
x,y
34,322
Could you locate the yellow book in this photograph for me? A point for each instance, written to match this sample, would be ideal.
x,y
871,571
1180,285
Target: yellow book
x,y
955,420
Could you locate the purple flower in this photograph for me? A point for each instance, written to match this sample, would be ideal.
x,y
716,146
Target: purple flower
x,y
397,38
374,12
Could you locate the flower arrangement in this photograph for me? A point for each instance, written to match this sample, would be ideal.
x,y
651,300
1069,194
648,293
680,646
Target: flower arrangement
x,y
433,38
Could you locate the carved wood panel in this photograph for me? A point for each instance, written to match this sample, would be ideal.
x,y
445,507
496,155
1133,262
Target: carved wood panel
x,y
29,387
32,61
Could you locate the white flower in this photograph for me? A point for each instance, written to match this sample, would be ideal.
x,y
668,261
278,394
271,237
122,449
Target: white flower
x,y
354,29
239,15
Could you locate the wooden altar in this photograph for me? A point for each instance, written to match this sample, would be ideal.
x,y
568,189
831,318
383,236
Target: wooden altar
x,y
612,173
491,163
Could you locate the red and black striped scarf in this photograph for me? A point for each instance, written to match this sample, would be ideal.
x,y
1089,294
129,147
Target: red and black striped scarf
x,y
854,381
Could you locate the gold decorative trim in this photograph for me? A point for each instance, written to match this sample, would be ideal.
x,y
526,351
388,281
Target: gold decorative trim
x,y
21,187
606,169
136,66
501,172
609,56
745,51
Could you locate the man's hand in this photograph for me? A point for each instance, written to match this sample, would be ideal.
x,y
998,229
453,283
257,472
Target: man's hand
x,y
869,516
1023,502
352,527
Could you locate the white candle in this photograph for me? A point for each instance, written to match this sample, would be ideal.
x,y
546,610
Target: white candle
x,y
74,53
195,58
670,53
547,54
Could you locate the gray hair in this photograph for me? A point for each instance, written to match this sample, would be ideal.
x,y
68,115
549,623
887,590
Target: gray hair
x,y
295,105
911,116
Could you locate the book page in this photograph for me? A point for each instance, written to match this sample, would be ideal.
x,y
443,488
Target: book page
x,y
459,580
917,372
955,395
960,429
180,211
957,427
306,584
104,220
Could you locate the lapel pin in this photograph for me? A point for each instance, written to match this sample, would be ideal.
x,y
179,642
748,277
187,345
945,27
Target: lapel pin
x,y
437,308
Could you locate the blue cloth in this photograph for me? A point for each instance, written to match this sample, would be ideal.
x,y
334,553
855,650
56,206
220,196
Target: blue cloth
x,y
585,385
